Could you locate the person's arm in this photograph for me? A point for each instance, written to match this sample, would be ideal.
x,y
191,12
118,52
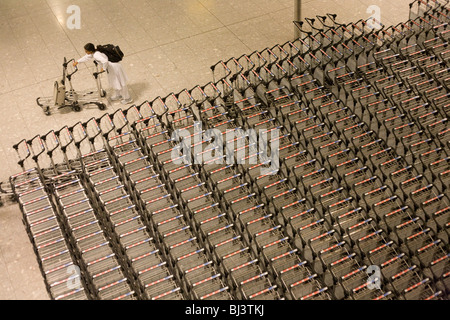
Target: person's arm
x,y
86,58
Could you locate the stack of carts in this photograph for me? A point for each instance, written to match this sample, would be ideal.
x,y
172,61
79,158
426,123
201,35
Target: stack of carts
x,y
92,246
314,169
165,197
147,269
53,252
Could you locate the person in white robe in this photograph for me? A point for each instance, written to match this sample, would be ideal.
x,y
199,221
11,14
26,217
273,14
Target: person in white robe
x,y
116,75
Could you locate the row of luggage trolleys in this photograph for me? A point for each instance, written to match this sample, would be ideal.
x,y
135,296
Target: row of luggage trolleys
x,y
279,195
382,188
421,193
345,203
147,267
243,247
97,256
47,237
190,224
191,265
416,187
222,180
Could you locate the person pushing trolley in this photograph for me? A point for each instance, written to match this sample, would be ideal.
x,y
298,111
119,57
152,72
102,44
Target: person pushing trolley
x,y
109,59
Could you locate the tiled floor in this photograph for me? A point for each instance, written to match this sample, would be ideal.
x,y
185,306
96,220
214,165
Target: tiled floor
x,y
169,45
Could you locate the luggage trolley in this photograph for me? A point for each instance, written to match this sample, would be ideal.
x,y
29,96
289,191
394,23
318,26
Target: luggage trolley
x,y
64,97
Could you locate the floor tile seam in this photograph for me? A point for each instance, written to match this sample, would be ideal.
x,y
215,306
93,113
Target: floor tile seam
x,y
24,52
8,273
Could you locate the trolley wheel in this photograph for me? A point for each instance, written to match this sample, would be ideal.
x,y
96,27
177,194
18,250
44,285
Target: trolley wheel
x,y
101,106
46,110
76,107
102,94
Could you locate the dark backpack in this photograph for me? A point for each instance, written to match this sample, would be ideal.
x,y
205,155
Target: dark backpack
x,y
113,52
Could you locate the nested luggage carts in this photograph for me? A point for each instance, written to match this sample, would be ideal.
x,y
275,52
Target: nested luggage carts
x,y
371,167
164,199
146,266
106,275
54,252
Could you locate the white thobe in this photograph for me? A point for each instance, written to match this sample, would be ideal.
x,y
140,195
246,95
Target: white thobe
x,y
116,75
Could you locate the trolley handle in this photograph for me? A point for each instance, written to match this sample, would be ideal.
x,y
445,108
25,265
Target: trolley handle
x,y
29,142
311,22
99,131
225,67
120,114
322,20
16,147
65,64
269,50
299,25
166,108
214,86
202,92
58,134
83,129
250,65
136,109
355,24
333,18
233,59
96,74
146,103
44,138
174,97
113,126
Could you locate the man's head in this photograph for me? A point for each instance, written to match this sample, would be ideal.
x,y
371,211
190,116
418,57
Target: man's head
x,y
89,48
